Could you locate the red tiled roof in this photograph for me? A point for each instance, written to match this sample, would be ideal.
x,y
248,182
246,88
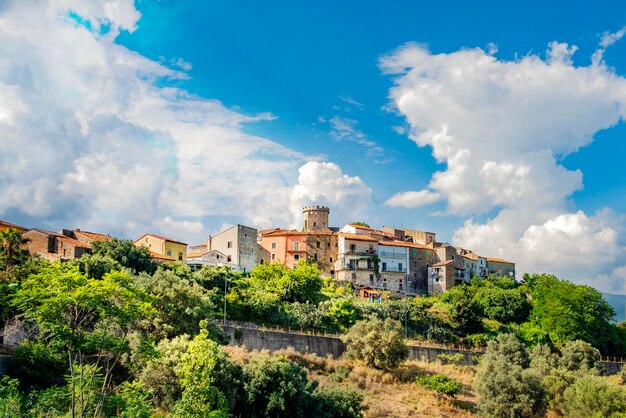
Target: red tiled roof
x,y
10,225
357,237
162,238
499,260
361,227
158,256
443,263
63,238
94,235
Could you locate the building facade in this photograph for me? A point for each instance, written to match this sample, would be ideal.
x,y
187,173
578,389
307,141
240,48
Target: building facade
x,y
239,244
164,249
53,246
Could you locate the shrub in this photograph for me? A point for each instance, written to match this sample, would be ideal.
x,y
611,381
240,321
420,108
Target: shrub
x,y
379,343
579,355
593,396
542,360
505,387
623,375
10,398
49,403
441,384
455,359
274,387
135,400
463,309
335,402
504,305
37,365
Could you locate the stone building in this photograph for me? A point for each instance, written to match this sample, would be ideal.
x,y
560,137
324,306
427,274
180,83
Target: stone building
x,y
315,218
53,246
86,237
163,249
501,268
239,244
198,259
357,259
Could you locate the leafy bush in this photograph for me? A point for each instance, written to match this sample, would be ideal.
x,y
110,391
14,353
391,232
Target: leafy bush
x,y
335,402
441,384
480,339
379,343
542,360
593,396
506,388
504,305
455,359
463,309
135,400
37,365
50,403
276,388
10,398
578,355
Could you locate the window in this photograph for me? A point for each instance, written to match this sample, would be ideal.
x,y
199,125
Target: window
x,y
314,223
352,248
371,279
317,244
229,244
245,235
384,266
228,259
371,248
273,245
400,286
331,259
296,257
146,239
296,246
427,253
370,264
273,256
169,253
180,256
414,252
315,256
399,266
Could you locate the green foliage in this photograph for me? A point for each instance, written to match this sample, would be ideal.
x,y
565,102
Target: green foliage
x,y
379,343
12,252
158,375
95,266
504,305
300,284
480,339
37,365
441,384
542,360
573,312
506,388
180,303
50,403
10,398
622,375
463,309
578,355
593,396
276,388
335,402
359,223
135,400
455,359
127,254
83,385
200,396
343,314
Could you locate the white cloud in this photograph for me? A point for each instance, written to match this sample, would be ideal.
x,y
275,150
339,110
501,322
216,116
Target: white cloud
x,y
413,199
344,129
93,135
324,183
502,127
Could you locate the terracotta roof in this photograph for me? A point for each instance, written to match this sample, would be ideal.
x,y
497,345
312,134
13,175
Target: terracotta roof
x,y
284,233
94,235
471,256
196,254
10,225
357,237
162,238
63,238
404,244
443,263
266,231
499,260
158,256
361,227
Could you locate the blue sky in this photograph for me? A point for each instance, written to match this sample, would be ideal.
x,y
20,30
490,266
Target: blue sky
x,y
297,59
182,117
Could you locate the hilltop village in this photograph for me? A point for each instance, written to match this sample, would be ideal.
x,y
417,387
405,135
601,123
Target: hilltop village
x,y
400,261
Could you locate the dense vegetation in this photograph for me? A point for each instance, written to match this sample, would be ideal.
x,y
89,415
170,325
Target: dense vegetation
x,y
114,334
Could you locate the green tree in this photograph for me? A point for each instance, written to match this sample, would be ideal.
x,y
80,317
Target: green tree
x,y
135,401
573,312
463,309
198,376
127,254
380,343
543,360
10,398
505,386
180,303
504,305
37,365
276,388
95,266
82,316
12,248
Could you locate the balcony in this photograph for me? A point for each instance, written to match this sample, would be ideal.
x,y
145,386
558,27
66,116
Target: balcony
x,y
394,270
389,254
356,251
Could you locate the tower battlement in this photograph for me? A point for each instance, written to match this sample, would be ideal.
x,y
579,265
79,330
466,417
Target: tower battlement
x,y
315,217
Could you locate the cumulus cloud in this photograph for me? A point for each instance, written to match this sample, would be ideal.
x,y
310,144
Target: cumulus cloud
x,y
501,127
96,136
345,129
413,199
325,183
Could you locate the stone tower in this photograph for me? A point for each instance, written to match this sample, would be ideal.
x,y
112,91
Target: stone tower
x,y
315,217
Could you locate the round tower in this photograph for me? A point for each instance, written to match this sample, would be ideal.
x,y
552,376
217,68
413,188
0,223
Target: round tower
x,y
315,217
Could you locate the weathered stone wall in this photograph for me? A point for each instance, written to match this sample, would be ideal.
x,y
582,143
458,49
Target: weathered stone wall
x,y
322,247
419,260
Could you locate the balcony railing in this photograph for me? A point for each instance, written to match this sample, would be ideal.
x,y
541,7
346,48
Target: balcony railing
x,y
365,253
389,254
394,270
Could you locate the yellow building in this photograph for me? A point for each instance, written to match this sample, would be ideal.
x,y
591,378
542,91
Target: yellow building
x,y
5,226
164,249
